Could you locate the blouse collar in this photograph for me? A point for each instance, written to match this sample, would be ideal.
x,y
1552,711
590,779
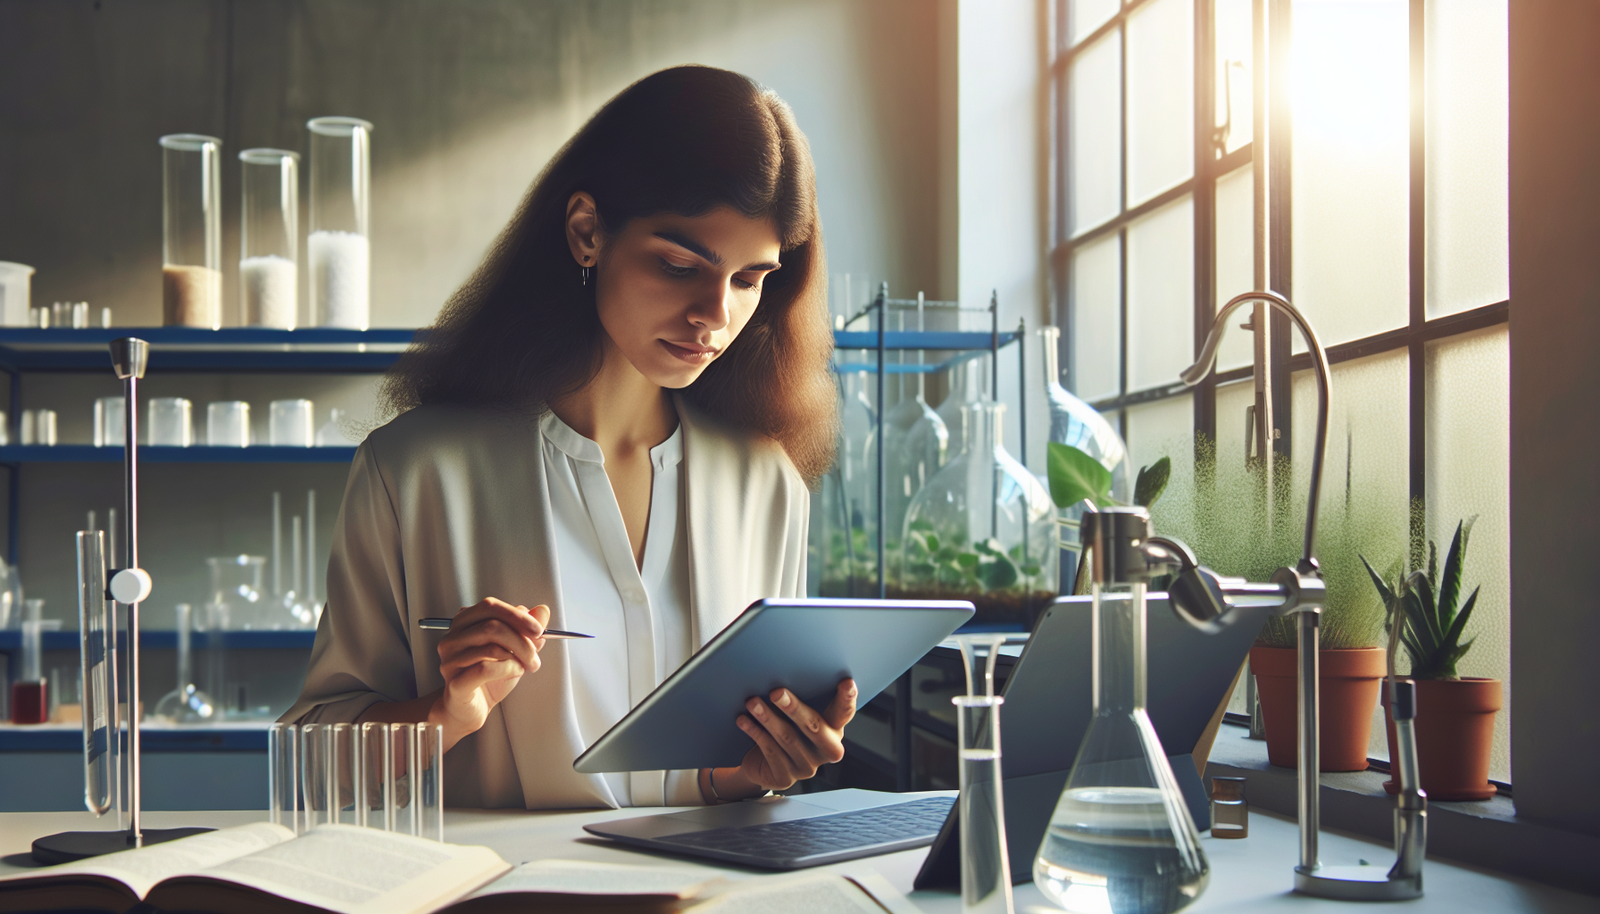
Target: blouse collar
x,y
668,453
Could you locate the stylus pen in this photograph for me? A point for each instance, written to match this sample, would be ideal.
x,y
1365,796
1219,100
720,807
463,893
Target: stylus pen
x,y
554,634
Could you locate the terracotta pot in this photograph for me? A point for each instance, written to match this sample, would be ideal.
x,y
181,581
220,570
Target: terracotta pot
x,y
1455,731
1350,682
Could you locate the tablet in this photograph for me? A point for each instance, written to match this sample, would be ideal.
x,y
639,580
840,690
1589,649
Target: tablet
x,y
806,646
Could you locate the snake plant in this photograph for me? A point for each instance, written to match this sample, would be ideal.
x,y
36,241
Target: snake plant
x,y
1431,626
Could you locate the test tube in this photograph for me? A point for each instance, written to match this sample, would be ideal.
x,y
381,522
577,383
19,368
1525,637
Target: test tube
x,y
431,740
404,794
191,250
342,765
313,775
44,427
338,245
377,781
269,237
283,777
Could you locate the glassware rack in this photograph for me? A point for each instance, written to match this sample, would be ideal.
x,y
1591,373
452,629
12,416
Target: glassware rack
x,y
874,332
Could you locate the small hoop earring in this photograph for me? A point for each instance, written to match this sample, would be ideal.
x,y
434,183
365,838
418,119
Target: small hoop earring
x,y
586,276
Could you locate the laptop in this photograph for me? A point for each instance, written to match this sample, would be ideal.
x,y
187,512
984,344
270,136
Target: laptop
x,y
1047,710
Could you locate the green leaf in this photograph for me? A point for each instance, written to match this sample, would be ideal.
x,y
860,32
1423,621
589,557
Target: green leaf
x,y
1075,476
1450,585
1152,482
1377,581
967,560
1031,570
1458,627
946,554
990,547
932,542
998,574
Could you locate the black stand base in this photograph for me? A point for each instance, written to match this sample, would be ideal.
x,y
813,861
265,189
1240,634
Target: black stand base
x,y
68,846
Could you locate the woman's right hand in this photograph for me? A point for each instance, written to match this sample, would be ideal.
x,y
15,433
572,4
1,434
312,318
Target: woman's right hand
x,y
490,647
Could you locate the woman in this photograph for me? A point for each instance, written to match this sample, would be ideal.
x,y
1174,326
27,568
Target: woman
x,y
613,423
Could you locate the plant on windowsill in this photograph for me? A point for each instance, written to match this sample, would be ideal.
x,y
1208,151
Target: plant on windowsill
x,y
1455,713
1223,511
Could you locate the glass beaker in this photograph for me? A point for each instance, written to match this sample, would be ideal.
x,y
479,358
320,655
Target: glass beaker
x,y
16,293
228,423
171,422
236,597
269,237
983,529
110,423
186,703
338,245
289,423
1121,839
1076,423
969,383
191,247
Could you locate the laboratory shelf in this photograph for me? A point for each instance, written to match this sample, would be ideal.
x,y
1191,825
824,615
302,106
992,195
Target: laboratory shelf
x,y
312,350
159,639
244,736
87,453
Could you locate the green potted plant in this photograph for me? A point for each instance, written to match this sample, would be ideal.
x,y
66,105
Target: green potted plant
x,y
1455,713
1236,529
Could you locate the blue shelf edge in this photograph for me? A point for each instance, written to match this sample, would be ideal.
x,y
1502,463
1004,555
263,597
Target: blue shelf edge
x,y
11,640
88,453
208,738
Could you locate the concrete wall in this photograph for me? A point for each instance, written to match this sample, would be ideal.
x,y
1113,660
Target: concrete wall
x,y
1555,333
469,100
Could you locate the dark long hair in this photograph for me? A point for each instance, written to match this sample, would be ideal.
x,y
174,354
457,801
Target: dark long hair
x,y
523,330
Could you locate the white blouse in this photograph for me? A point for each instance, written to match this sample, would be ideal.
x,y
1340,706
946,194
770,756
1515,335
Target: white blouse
x,y
639,616
447,505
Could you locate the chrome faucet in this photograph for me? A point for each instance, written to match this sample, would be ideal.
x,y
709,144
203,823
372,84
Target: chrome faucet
x,y
1210,602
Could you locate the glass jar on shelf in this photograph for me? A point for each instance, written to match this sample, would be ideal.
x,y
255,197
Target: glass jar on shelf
x,y
191,247
338,247
982,529
269,237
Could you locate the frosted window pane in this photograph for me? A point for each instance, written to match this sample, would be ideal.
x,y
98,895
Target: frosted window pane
x,y
1236,258
1164,428
1365,489
1468,114
1351,166
1160,97
1233,73
1469,472
1094,134
1232,401
1084,16
1161,295
1096,303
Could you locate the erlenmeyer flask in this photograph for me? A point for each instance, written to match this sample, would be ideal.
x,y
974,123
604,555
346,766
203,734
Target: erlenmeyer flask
x,y
917,444
186,704
1121,840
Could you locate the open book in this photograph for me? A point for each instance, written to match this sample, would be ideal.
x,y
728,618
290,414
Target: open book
x,y
265,869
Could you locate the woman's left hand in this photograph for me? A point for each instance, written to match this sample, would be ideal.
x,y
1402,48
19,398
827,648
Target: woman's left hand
x,y
792,740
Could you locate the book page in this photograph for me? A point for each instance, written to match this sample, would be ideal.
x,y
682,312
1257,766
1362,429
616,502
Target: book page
x,y
602,880
814,893
356,870
141,868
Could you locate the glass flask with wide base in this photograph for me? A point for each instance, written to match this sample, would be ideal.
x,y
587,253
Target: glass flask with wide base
x,y
1121,840
982,529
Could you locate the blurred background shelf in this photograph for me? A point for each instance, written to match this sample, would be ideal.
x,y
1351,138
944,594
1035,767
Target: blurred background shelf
x,y
320,350
157,639
88,453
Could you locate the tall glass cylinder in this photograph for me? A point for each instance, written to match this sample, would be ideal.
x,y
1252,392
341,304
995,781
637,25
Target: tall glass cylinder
x,y
338,246
269,237
191,218
1121,839
985,864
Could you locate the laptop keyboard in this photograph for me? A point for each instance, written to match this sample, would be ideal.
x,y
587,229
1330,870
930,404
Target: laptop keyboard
x,y
844,831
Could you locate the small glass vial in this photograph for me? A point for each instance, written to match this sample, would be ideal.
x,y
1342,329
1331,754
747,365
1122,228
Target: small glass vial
x,y
171,422
337,247
191,216
269,235
228,423
289,423
1230,814
109,422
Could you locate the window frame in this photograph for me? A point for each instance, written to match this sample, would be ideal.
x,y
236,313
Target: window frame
x,y
1210,165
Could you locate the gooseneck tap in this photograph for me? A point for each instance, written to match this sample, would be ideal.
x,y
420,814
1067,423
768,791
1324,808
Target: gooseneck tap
x,y
1211,601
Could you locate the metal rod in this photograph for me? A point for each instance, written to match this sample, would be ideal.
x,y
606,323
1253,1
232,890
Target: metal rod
x,y
1309,745
130,405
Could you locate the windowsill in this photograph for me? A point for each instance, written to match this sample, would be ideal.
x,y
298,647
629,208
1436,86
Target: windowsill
x,y
1486,833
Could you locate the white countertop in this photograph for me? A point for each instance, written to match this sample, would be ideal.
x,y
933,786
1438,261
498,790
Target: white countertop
x,y
1249,875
